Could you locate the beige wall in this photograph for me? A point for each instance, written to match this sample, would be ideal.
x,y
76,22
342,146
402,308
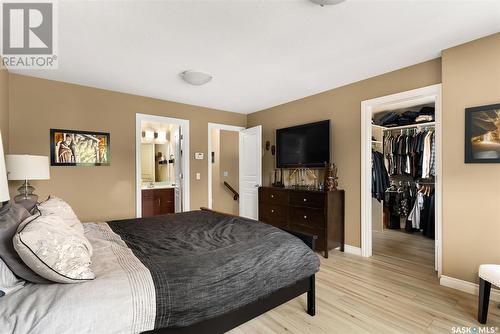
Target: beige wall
x,y
471,192
4,107
97,193
225,144
342,106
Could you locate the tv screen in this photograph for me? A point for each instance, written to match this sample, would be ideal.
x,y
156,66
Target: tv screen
x,y
305,145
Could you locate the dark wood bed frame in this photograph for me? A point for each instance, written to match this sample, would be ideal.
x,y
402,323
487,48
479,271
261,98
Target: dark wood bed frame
x,y
232,319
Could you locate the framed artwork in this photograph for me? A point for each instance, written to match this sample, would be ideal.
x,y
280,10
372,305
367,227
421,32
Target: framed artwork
x,y
482,134
79,148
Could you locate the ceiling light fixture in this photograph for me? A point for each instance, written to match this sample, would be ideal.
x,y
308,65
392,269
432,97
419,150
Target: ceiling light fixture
x,y
196,78
323,3
161,137
148,135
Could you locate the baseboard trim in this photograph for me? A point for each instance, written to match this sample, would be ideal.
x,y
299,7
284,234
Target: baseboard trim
x,y
352,250
466,286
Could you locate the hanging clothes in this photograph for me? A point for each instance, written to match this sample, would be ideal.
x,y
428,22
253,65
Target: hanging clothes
x,y
380,178
422,216
398,201
414,216
411,154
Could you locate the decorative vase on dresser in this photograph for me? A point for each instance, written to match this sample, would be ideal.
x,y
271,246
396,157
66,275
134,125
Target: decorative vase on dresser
x,y
319,213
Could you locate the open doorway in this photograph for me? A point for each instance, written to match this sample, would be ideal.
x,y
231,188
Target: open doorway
x,y
162,167
223,168
244,189
401,179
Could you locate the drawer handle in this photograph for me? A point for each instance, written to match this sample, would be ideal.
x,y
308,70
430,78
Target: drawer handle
x,y
272,210
272,196
305,199
305,217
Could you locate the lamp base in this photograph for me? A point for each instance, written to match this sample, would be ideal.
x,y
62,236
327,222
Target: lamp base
x,y
26,197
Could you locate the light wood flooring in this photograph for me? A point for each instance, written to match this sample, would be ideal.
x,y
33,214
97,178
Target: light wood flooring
x,y
394,291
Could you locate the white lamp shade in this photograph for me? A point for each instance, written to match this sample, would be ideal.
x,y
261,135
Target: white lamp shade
x,y
4,187
27,167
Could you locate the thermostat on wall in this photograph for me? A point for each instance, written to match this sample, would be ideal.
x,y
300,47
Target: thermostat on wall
x,y
198,156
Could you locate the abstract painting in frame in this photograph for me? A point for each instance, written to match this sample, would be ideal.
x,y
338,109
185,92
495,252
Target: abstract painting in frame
x,y
79,148
482,134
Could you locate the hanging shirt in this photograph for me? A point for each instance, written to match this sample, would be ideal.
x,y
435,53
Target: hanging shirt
x,y
414,216
432,168
427,155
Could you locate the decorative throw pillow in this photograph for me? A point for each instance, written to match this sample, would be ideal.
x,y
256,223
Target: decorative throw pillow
x,y
8,282
56,206
11,215
54,250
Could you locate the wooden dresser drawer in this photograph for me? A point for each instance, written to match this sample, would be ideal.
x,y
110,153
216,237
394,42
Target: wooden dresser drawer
x,y
309,199
273,214
273,211
273,196
315,218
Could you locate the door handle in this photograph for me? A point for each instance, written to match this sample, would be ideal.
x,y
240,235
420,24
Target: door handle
x,y
257,185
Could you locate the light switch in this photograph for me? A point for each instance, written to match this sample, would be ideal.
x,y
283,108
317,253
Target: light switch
x,y
226,173
198,176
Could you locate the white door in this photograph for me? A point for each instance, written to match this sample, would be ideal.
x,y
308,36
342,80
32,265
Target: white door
x,y
178,169
250,171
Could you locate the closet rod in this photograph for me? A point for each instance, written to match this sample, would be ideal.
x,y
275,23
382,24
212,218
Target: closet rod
x,y
419,125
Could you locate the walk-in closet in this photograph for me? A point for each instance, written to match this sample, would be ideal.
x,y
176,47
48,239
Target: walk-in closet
x,y
403,183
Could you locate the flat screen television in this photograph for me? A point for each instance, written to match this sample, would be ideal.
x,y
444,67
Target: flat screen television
x,y
306,145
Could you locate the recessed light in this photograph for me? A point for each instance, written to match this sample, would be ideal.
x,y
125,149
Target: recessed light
x,y
323,3
196,78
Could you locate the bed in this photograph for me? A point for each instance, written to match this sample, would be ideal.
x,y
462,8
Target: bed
x,y
192,272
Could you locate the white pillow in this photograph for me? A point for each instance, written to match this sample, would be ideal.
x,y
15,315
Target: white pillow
x,y
8,282
54,250
56,206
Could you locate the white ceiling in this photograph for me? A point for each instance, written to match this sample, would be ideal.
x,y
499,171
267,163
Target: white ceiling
x,y
261,53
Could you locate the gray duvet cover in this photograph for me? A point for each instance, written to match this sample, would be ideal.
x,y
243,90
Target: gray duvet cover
x,y
205,264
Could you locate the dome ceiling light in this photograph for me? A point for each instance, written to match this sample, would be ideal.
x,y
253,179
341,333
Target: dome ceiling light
x,y
323,3
196,78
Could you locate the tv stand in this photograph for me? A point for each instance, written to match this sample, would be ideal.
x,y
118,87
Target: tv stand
x,y
314,212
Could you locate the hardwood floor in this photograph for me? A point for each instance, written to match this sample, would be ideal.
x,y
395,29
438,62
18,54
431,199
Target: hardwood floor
x,y
381,294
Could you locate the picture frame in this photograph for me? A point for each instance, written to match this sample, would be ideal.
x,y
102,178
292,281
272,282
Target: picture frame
x,y
79,148
482,134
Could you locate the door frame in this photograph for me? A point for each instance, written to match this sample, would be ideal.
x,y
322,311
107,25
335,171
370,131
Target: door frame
x,y
184,125
219,126
431,93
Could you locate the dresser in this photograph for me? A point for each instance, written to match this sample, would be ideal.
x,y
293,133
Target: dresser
x,y
320,213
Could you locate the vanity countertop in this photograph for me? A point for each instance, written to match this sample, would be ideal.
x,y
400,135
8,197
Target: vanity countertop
x,y
157,186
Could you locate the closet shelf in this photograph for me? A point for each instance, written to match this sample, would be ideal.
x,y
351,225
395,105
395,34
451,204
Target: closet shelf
x,y
419,125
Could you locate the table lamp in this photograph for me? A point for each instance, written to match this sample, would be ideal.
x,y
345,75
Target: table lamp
x,y
27,167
